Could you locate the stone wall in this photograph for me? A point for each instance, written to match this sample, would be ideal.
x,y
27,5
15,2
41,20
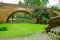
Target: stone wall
x,y
53,22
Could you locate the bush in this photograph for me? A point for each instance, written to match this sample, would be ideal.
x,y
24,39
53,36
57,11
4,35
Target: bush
x,y
54,7
42,14
3,28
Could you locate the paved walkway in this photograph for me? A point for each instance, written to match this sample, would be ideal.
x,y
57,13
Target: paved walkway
x,y
36,36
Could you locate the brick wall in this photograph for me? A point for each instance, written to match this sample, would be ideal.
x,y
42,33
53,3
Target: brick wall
x,y
7,9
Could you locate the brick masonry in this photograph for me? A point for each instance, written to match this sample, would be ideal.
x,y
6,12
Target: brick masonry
x,y
7,9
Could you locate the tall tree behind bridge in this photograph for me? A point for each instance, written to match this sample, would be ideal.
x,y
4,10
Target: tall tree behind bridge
x,y
19,2
36,2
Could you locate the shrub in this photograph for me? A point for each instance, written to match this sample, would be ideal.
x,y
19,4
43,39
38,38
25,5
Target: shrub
x,y
41,14
3,28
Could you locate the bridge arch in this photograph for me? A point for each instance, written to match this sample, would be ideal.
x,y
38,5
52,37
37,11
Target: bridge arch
x,y
25,11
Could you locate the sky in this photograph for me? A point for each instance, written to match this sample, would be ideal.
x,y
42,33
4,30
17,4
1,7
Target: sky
x,y
51,2
11,1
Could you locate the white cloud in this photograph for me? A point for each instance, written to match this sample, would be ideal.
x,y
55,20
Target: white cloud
x,y
53,2
11,1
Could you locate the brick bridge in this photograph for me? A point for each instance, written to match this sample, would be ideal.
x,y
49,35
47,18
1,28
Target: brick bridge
x,y
7,9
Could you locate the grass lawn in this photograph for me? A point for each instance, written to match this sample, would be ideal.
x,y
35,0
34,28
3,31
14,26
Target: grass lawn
x,y
17,30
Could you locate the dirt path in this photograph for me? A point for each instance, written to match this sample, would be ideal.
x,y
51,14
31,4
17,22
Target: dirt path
x,y
36,36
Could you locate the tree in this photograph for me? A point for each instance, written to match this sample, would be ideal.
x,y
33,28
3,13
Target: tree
x,y
20,2
41,15
54,7
36,2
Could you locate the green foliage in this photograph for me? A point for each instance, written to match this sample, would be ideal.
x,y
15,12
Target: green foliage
x,y
42,13
36,2
54,7
3,28
20,2
45,20
20,17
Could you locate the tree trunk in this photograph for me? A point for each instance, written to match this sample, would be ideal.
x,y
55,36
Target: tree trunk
x,y
39,21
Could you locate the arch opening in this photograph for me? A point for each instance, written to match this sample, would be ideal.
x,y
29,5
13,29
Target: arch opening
x,y
20,17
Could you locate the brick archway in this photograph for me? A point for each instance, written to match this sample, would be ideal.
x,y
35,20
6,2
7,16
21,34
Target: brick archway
x,y
17,11
7,9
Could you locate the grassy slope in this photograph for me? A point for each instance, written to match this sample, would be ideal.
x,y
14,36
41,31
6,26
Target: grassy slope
x,y
15,30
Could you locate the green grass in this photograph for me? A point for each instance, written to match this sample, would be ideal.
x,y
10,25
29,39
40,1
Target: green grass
x,y
19,30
